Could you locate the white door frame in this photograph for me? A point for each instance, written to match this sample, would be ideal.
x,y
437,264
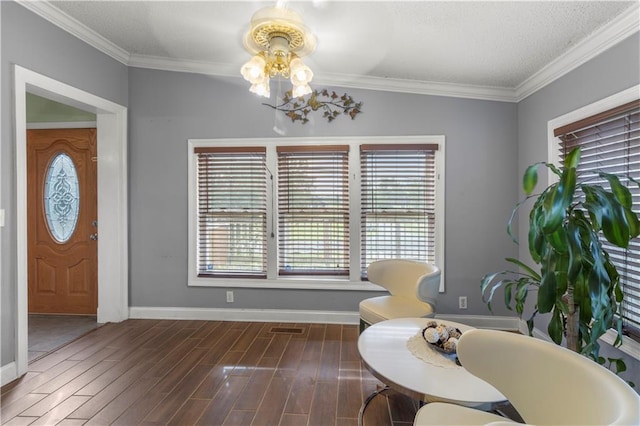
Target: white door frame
x,y
111,120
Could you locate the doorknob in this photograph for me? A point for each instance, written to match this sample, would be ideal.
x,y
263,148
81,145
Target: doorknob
x,y
93,237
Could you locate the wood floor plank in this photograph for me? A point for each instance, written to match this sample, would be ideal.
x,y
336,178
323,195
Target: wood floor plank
x,y
301,395
349,389
20,421
342,421
277,346
179,395
220,406
221,346
9,411
217,375
116,407
173,354
251,357
329,361
333,333
54,397
255,390
75,371
349,348
110,392
22,389
377,412
294,420
209,328
189,413
138,411
119,368
61,411
95,341
324,405
247,337
239,418
182,370
272,406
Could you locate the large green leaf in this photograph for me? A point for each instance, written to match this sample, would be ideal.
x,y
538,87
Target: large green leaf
x,y
547,292
574,249
530,178
555,327
609,212
533,274
573,159
558,200
621,192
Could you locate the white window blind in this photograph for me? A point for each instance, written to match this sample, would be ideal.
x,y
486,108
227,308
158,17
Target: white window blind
x,y
313,210
398,202
232,211
610,142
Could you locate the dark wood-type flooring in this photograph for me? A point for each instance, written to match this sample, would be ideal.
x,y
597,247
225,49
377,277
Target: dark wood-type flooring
x,y
156,372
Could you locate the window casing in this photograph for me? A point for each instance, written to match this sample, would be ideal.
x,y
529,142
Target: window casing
x,y
340,264
610,142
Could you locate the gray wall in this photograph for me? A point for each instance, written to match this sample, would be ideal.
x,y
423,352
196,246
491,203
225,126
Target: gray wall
x,y
33,43
615,70
167,108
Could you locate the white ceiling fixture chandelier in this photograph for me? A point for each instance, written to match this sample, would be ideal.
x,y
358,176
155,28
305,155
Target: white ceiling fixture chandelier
x,y
278,40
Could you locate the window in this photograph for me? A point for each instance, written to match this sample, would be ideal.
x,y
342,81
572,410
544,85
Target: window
x,y
232,211
313,210
397,202
610,142
312,213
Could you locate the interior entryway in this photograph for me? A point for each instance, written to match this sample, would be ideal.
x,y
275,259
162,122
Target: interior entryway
x,y
112,247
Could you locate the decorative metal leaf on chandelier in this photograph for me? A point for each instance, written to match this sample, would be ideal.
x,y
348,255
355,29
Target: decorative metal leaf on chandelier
x,y
331,105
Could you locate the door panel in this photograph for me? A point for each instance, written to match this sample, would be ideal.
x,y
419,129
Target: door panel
x,y
62,256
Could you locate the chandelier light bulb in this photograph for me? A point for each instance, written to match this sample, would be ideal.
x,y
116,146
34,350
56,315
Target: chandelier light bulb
x,y
301,90
300,73
261,88
253,70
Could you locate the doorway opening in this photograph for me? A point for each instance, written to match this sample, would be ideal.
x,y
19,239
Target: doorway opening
x,y
111,125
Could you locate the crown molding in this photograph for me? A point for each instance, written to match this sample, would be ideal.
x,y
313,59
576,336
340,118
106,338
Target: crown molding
x,y
611,34
341,80
614,32
76,28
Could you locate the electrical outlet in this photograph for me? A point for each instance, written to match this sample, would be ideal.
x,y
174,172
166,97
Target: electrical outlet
x,y
229,297
462,302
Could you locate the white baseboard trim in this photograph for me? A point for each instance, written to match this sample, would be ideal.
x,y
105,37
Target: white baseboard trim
x,y
266,315
8,373
301,316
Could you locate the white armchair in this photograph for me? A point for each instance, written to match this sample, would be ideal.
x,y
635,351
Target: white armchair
x,y
546,383
413,288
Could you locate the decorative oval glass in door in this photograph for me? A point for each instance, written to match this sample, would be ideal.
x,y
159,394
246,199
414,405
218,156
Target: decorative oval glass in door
x,y
61,197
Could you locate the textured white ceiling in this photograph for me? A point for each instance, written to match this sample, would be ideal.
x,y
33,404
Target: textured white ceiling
x,y
498,44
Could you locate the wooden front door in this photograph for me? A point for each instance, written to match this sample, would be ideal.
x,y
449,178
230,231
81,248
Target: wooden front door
x,y
62,221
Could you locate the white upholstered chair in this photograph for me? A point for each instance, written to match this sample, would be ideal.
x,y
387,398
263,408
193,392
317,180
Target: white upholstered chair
x,y
547,384
413,288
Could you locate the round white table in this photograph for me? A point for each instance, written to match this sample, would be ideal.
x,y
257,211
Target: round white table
x,y
383,349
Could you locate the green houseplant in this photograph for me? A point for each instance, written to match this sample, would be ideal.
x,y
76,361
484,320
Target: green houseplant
x,y
577,283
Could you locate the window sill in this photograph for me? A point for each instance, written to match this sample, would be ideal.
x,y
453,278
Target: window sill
x,y
297,283
629,346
